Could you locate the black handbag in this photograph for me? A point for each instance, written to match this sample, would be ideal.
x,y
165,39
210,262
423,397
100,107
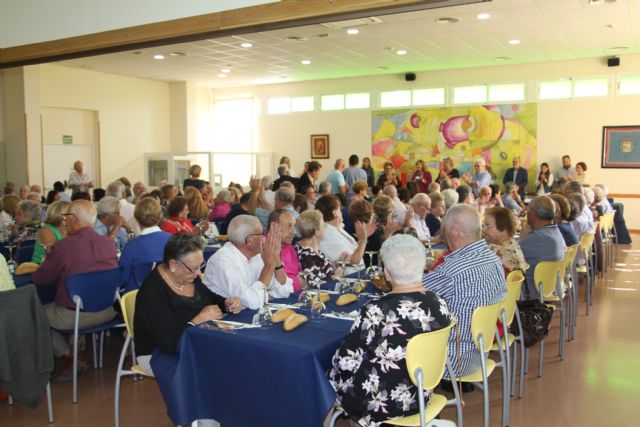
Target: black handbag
x,y
535,317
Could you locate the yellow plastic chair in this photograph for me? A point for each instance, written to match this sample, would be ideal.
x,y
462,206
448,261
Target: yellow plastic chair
x,y
547,279
426,361
587,241
607,227
567,272
483,329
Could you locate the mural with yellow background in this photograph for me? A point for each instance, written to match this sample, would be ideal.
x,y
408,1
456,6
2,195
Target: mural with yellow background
x,y
496,133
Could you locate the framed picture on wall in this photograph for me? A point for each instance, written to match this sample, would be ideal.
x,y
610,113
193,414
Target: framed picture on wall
x,y
320,146
621,146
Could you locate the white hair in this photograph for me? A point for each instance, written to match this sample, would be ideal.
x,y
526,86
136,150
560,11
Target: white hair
x,y
226,195
267,181
480,161
603,187
450,197
404,259
420,199
465,219
589,195
107,206
84,212
116,189
391,191
242,227
598,193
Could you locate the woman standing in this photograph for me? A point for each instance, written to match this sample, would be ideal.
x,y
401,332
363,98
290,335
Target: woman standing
x,y
545,180
421,177
194,178
366,166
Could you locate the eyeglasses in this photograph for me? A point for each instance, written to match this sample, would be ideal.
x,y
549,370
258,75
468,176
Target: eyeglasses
x,y
250,235
65,215
189,268
486,226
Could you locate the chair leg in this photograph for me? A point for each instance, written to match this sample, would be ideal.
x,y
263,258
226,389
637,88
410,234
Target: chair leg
x,y
10,400
504,361
526,361
522,369
49,404
561,352
74,396
334,417
94,338
101,348
513,368
456,394
119,375
541,358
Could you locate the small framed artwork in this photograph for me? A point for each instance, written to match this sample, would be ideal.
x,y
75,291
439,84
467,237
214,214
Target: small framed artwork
x,y
621,147
320,146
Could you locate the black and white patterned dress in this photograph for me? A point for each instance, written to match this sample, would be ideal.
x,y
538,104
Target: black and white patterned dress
x,y
314,265
369,370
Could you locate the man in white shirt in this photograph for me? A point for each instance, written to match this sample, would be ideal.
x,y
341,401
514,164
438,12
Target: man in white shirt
x,y
399,209
480,178
117,190
248,264
421,204
78,180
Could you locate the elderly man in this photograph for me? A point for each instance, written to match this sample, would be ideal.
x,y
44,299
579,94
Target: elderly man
x,y
399,209
566,173
35,188
110,223
117,189
421,204
336,178
248,264
283,176
478,179
284,200
81,251
78,180
470,276
324,189
353,173
543,243
518,175
511,199
288,255
311,195
23,192
138,190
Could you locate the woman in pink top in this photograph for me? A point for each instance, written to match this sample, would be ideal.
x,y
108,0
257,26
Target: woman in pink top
x,y
221,206
421,177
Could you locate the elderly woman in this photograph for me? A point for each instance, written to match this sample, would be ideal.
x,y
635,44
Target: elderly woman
x,y
564,218
359,189
177,221
498,229
450,198
110,223
421,204
362,370
447,171
149,246
52,230
314,264
337,243
222,205
28,222
173,297
421,177
389,176
436,214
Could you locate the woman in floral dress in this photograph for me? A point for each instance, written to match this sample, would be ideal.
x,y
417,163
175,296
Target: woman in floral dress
x,y
369,370
498,230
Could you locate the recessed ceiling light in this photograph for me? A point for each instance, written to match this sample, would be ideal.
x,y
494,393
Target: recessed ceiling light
x,y
353,31
225,70
305,62
618,48
514,42
401,52
483,16
177,54
222,75
158,57
447,20
246,45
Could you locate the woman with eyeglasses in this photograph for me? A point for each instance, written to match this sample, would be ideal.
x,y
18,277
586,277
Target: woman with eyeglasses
x,y
498,230
389,176
173,298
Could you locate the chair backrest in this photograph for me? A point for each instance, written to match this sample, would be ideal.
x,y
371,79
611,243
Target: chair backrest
x,y
606,222
483,321
586,241
24,253
569,257
429,352
96,290
514,287
141,271
128,305
547,274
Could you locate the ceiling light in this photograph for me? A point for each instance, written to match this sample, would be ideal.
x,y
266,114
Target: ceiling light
x,y
158,57
246,45
401,52
305,62
483,16
225,70
514,42
447,20
222,75
353,31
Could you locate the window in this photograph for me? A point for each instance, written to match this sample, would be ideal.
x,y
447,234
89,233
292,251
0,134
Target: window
x,y
357,100
279,105
433,96
396,98
506,92
303,103
470,94
591,87
629,85
559,89
233,126
332,102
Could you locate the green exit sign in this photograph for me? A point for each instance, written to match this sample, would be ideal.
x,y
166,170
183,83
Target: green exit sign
x,y
67,139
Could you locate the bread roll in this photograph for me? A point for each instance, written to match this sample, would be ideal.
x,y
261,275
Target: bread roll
x,y
293,321
281,315
324,298
346,299
26,268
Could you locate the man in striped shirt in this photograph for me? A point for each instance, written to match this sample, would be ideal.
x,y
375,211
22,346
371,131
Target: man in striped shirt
x,y
470,276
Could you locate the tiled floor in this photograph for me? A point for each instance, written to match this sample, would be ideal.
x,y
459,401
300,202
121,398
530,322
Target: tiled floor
x,y
598,384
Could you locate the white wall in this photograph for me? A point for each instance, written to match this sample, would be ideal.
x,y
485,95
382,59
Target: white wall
x,y
573,127
134,114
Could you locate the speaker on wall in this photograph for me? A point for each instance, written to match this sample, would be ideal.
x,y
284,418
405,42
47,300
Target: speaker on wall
x,y
614,61
410,77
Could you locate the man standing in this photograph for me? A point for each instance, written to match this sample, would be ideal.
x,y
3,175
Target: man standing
x,y
81,251
78,180
566,173
336,179
248,264
470,276
479,179
353,172
518,175
283,175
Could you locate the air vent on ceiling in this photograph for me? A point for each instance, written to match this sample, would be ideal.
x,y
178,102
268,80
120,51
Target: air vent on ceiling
x,y
599,2
296,39
351,23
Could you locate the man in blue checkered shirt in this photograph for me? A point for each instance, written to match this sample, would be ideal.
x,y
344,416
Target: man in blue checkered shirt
x,y
470,276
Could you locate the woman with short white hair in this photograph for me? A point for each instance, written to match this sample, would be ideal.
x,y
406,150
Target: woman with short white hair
x,y
371,362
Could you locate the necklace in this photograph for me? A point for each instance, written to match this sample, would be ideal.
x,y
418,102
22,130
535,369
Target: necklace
x,y
169,281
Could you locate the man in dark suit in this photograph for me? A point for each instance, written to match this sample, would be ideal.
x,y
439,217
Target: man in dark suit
x,y
518,175
283,172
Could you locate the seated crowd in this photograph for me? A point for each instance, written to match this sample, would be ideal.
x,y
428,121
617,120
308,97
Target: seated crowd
x,y
293,228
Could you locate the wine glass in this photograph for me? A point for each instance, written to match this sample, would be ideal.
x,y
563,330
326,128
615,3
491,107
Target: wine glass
x,y
372,270
431,257
263,316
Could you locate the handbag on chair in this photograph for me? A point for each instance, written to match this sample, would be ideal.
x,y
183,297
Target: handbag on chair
x,y
535,318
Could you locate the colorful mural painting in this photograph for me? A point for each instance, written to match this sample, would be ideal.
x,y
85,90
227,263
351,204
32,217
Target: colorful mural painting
x,y
496,133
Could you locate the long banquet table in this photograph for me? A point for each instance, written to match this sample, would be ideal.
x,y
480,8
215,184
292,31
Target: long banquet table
x,y
254,377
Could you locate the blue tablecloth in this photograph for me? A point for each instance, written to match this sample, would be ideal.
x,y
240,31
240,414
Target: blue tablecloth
x,y
254,377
